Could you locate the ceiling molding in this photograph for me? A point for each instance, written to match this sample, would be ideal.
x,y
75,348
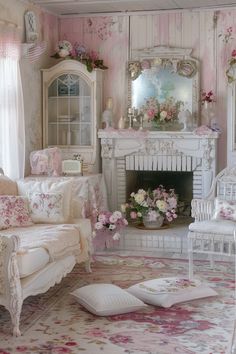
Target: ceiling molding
x,y
82,8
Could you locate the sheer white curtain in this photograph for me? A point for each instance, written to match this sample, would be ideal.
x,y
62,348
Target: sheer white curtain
x,y
12,127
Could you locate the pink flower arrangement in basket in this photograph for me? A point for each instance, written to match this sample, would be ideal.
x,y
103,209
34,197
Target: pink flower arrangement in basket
x,y
111,223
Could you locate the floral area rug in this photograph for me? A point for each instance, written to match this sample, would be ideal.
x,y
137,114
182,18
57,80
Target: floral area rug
x,y
54,322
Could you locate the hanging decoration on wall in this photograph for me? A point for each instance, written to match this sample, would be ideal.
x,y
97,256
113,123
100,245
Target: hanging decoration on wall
x,y
31,27
227,36
102,27
65,50
231,70
33,48
36,51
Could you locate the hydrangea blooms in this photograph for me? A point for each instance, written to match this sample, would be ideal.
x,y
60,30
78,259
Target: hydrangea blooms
x,y
110,221
154,203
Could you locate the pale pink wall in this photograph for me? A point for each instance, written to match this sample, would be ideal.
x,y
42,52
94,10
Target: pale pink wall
x,y
188,29
109,37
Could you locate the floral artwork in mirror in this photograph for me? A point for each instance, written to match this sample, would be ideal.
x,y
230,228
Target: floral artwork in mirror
x,y
163,86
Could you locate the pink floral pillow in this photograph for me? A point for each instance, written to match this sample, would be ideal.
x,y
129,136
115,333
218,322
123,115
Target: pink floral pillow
x,y
46,207
224,210
14,212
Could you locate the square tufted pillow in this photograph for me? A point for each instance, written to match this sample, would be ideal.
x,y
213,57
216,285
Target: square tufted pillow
x,y
45,207
14,212
224,210
107,299
52,188
166,292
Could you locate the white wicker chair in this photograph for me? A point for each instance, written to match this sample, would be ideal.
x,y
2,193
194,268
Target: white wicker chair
x,y
213,237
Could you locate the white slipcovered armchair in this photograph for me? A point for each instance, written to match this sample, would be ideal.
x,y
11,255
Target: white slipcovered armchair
x,y
214,229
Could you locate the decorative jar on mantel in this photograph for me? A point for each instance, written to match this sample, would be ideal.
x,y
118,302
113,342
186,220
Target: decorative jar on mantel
x,y
208,113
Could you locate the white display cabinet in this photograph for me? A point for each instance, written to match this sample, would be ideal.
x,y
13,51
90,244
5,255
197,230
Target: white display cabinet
x,y
72,105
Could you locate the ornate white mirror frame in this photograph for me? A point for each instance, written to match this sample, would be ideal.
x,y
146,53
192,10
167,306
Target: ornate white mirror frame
x,y
177,63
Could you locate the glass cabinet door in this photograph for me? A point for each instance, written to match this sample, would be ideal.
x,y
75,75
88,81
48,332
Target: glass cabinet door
x,y
69,111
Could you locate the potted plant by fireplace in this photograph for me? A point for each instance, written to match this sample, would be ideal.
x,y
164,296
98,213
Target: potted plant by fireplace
x,y
151,208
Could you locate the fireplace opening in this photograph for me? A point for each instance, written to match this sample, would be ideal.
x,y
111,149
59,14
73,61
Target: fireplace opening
x,y
182,182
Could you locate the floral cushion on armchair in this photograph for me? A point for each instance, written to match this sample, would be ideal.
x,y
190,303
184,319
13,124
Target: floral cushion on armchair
x,y
14,212
224,210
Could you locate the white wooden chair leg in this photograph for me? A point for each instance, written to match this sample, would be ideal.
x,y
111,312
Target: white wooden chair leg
x,y
88,266
212,263
190,259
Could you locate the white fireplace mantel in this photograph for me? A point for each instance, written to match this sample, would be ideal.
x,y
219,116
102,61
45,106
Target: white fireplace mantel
x,y
130,149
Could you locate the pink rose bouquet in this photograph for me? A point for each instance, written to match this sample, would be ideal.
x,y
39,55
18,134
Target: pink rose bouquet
x,y
111,222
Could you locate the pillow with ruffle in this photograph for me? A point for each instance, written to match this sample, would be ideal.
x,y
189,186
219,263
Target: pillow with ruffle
x,y
224,210
14,212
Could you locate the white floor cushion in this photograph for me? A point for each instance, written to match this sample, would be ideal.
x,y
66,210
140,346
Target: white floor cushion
x,y
32,260
166,292
107,299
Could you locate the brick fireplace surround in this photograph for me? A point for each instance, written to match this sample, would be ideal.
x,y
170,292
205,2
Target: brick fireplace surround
x,y
131,150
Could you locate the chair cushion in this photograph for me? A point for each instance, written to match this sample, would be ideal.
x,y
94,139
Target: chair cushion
x,y
217,227
32,261
224,210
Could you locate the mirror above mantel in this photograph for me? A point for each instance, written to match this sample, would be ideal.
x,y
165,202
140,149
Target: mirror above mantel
x,y
163,85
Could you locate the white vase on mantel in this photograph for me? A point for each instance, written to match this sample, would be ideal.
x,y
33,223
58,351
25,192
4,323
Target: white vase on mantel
x,y
208,113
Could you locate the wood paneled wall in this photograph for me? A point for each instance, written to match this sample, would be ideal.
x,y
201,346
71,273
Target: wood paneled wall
x,y
115,36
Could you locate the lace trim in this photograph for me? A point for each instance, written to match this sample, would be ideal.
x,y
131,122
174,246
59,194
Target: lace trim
x,y
2,250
